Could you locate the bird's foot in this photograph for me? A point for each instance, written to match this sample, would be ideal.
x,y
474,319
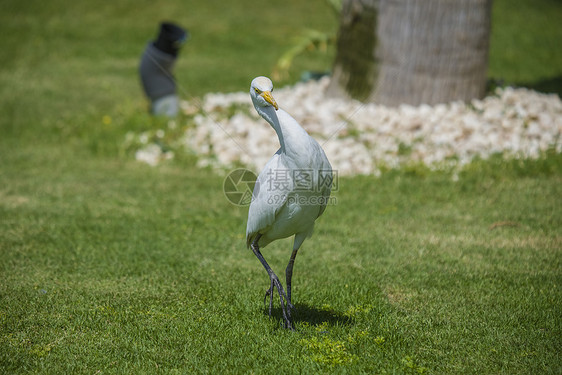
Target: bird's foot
x,y
290,307
285,307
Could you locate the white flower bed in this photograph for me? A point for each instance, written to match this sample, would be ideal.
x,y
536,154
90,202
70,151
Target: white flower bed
x,y
360,138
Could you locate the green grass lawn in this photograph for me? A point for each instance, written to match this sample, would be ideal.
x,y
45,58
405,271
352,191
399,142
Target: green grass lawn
x,y
524,48
112,266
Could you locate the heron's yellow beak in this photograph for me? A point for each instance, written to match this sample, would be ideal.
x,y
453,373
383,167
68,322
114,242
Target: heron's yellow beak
x,y
268,98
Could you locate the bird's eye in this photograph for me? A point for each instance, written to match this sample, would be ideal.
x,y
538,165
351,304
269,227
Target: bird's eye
x,y
257,91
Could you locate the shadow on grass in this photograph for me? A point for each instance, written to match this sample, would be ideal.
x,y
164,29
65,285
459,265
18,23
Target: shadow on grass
x,y
303,313
551,85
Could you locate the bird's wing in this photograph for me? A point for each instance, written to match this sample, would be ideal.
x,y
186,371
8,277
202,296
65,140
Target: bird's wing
x,y
268,198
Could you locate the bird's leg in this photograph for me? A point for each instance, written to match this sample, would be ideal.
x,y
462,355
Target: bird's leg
x,y
288,276
275,283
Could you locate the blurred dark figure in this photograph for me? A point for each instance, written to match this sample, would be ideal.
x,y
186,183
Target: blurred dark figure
x,y
156,69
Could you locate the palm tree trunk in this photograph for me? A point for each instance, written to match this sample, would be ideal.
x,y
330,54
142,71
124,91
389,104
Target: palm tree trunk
x,y
418,51
354,70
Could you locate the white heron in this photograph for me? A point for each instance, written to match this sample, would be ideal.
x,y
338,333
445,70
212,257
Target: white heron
x,y
291,191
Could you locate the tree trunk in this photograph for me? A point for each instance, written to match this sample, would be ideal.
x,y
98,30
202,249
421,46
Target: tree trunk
x,y
412,51
354,71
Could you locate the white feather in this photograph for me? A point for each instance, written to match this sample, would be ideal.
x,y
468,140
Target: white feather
x,y
284,205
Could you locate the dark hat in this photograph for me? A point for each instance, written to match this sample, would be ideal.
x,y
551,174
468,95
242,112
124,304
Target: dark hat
x,y
171,38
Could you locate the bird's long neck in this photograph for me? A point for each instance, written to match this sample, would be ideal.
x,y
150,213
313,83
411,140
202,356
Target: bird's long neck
x,y
269,114
293,139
